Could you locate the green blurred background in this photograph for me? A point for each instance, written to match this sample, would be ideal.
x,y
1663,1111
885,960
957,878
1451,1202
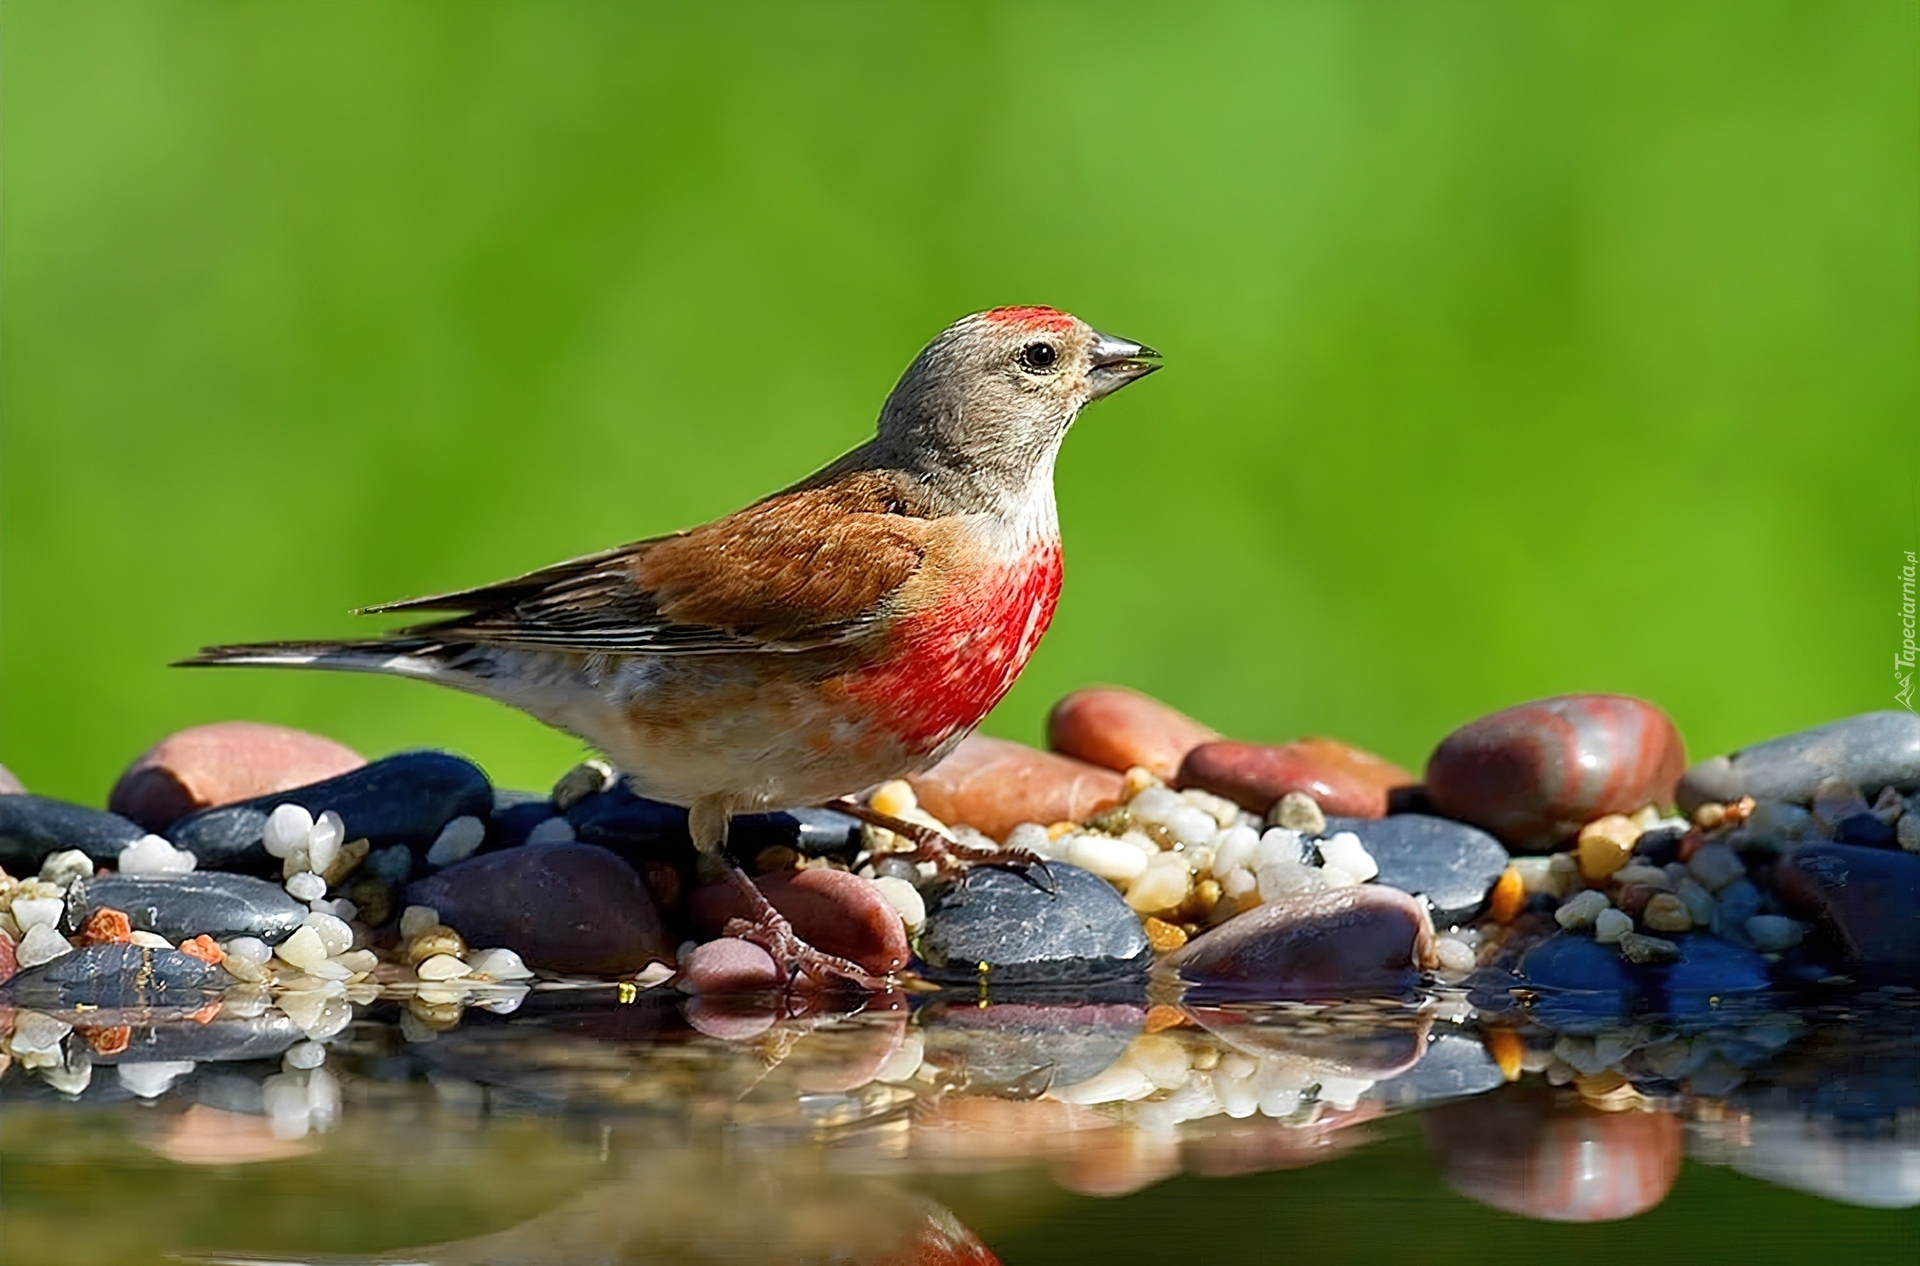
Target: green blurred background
x,y
1512,348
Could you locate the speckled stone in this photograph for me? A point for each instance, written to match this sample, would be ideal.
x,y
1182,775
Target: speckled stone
x,y
1450,864
1535,773
1083,932
995,784
33,828
1117,728
1340,942
218,764
1872,751
1343,780
180,906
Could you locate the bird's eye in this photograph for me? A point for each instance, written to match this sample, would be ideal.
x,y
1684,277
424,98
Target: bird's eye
x,y
1038,355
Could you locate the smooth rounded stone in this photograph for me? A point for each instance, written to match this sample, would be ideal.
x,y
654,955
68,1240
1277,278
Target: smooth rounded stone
x,y
993,785
1835,1160
1523,1151
730,965
1453,865
564,907
210,765
33,828
1534,774
1872,751
644,830
1451,1066
515,815
1081,932
124,977
1579,983
10,785
180,906
404,799
1027,1048
1117,728
1344,781
832,910
1864,904
1338,942
1708,971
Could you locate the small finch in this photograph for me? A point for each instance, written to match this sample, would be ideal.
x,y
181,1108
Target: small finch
x,y
850,629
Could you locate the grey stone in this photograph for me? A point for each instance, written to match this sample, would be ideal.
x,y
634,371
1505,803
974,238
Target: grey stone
x,y
33,828
1027,1048
117,977
1080,932
181,906
1872,751
1453,865
1452,1066
224,1039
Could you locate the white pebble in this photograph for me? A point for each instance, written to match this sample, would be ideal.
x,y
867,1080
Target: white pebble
x,y
358,961
150,1080
1031,837
1235,849
1279,845
1454,956
245,969
1162,886
305,1055
334,933
1223,811
1278,879
307,886
70,1078
249,949
303,949
1113,860
150,940
503,999
1772,933
1610,925
1155,804
1580,910
37,1031
1236,883
906,1060
33,912
1334,877
906,899
1116,1083
1191,826
1345,851
504,964
416,919
63,869
319,1013
324,840
457,841
288,827
340,908
551,831
442,967
40,945
331,969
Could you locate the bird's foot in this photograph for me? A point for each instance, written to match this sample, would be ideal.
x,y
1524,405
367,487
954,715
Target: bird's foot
x,y
804,965
947,853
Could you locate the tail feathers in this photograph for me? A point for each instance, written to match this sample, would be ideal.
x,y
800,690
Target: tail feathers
x,y
404,657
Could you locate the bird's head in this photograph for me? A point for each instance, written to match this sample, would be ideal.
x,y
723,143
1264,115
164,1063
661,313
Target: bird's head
x,y
996,391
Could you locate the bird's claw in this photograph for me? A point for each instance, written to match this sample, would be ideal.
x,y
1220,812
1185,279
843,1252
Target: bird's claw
x,y
942,850
800,961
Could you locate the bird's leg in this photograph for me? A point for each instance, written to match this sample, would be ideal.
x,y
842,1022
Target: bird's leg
x,y
930,845
765,926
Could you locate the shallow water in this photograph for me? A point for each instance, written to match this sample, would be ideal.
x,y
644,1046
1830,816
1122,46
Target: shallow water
x,y
599,1125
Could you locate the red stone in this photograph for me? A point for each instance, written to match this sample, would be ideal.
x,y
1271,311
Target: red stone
x,y
1334,943
1345,781
1118,728
106,926
834,911
728,965
221,763
1534,774
1521,1150
993,785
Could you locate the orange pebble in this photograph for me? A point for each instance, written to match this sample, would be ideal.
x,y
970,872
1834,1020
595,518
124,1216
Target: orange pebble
x,y
1161,1017
106,927
203,948
108,1041
1506,1048
1509,896
1164,936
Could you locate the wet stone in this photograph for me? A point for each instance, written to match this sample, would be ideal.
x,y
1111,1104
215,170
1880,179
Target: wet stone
x,y
1864,904
1343,780
118,977
403,799
1341,942
226,1039
515,815
1025,1049
1119,729
33,828
564,907
729,965
995,784
218,764
1872,751
641,829
1083,932
1581,984
203,902
834,911
1536,773
1708,971
1453,865
1451,1066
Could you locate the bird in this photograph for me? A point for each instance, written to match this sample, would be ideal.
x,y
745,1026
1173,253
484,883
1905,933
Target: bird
x,y
849,629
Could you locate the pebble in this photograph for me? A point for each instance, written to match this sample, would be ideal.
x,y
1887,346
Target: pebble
x,y
1610,925
1452,865
1580,910
501,964
833,910
1122,729
307,886
33,828
1534,774
1335,943
1666,912
30,912
1342,780
1864,904
729,965
149,940
995,785
563,907
435,940
442,967
121,977
1344,851
1164,885
1454,956
211,765
1604,845
334,933
417,919
643,830
304,949
1116,861
63,869
1773,933
1639,948
1298,811
40,944
154,855
1081,933
904,898
457,841
1907,830
221,905
1872,751
402,799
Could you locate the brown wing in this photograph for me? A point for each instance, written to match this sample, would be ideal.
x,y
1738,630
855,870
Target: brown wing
x,y
812,567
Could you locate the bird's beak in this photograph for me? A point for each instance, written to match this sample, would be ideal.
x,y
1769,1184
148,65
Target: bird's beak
x,y
1117,362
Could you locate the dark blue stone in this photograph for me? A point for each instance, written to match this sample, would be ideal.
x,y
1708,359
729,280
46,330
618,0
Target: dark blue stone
x,y
403,799
1733,906
181,906
639,828
1080,932
32,828
1451,864
1864,828
515,814
1709,972
117,977
1581,985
